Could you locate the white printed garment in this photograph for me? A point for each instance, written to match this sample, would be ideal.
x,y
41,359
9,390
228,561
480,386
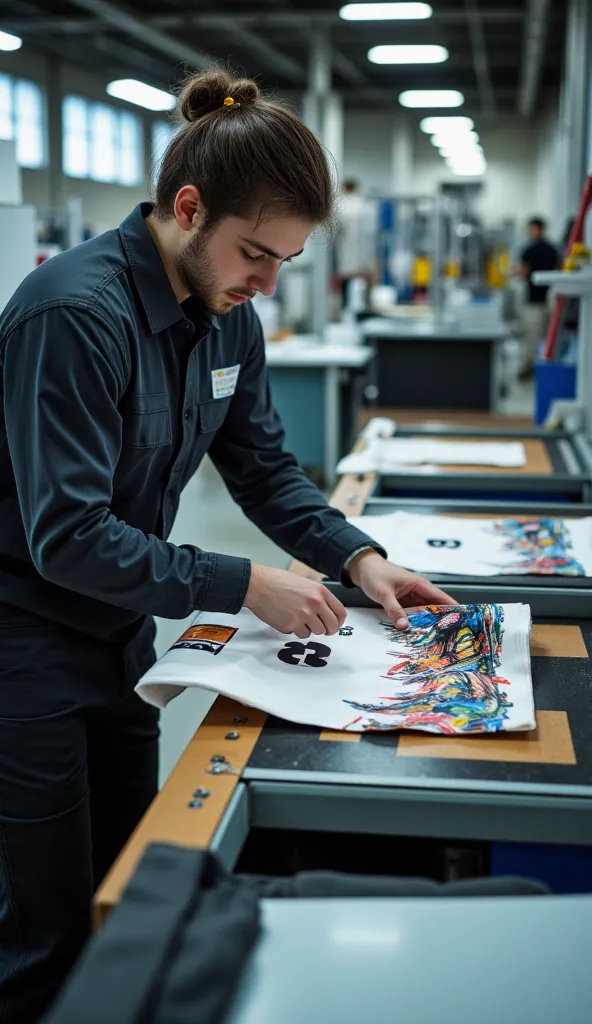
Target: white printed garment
x,y
398,454
379,426
483,547
457,669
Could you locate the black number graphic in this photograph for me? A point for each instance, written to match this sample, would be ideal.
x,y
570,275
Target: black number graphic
x,y
444,543
314,655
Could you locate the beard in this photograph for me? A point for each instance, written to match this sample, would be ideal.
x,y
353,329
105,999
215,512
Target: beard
x,y
194,266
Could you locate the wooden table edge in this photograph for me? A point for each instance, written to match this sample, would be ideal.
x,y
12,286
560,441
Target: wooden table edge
x,y
170,817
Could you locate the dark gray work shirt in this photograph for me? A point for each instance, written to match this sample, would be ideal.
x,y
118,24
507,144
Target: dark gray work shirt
x,y
108,407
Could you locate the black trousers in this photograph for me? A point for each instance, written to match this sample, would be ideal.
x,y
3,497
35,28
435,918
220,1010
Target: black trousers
x,y
78,768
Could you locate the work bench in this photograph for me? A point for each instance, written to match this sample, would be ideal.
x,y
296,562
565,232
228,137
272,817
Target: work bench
x,y
247,772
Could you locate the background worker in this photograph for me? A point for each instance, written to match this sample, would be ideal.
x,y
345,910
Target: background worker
x,y
539,254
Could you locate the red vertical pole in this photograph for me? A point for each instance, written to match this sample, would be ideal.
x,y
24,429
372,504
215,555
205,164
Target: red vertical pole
x,y
575,235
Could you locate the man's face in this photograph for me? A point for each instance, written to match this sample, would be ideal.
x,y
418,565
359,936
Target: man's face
x,y
534,232
227,264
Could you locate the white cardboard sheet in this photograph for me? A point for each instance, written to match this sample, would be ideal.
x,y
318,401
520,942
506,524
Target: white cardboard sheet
x,y
458,669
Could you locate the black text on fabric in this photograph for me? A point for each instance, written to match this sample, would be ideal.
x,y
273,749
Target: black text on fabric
x,y
311,654
440,543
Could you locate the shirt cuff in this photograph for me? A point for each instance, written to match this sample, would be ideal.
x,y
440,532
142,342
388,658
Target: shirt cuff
x,y
354,554
229,581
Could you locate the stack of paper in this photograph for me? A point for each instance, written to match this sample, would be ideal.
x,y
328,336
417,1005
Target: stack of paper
x,y
457,669
391,455
483,547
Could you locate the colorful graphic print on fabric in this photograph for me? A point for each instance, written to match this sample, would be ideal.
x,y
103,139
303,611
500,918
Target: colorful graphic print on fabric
x,y
448,658
541,546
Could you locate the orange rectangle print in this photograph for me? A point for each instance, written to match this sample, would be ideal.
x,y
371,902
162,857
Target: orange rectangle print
x,y
209,631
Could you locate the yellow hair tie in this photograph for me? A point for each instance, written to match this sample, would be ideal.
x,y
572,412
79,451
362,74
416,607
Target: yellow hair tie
x,y
228,102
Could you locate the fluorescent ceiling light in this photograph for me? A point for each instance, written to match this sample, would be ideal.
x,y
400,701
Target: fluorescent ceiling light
x,y
431,98
385,12
408,54
466,160
460,156
471,167
133,91
461,152
10,42
437,125
466,140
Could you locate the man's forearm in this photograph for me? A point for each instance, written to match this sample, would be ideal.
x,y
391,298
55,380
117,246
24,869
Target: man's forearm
x,y
119,564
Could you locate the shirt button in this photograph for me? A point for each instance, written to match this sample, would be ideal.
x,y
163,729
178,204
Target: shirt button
x,y
187,414
186,324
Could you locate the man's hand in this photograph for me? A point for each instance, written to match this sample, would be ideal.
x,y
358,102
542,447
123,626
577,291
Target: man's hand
x,y
293,604
392,587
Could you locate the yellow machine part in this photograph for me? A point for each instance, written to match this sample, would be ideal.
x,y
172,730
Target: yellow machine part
x,y
498,269
422,272
452,269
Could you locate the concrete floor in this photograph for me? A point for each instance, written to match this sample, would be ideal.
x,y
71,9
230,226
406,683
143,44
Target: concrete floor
x,y
209,518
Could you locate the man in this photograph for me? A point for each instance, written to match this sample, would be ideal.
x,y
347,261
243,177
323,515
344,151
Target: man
x,y
117,378
539,255
355,242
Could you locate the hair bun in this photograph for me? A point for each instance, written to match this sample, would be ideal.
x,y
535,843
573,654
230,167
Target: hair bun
x,y
203,93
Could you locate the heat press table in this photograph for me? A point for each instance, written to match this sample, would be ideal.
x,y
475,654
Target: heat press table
x,y
507,789
274,775
567,596
558,468
523,788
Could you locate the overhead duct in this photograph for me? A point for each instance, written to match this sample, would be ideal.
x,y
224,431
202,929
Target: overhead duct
x,y
535,32
112,14
480,60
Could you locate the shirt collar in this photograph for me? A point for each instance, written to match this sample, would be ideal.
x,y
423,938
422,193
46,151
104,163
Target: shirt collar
x,y
153,286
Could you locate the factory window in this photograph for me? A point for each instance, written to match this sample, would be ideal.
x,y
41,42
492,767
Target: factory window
x,y
162,133
22,119
101,142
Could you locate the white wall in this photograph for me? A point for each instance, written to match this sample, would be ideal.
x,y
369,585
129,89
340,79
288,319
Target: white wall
x,y
367,149
548,187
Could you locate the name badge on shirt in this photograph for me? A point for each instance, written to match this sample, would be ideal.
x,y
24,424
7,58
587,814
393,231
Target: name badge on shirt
x,y
224,381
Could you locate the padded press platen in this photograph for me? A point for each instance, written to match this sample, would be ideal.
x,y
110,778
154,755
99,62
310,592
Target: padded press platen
x,y
538,460
558,752
559,641
549,743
